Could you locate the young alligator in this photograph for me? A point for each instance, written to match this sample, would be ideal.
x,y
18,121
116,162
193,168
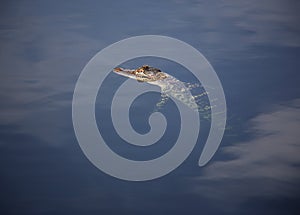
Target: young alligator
x,y
170,86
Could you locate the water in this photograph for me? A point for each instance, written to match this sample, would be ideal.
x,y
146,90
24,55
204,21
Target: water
x,y
253,47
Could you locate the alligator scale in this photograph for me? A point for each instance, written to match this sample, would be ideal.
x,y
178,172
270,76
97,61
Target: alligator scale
x,y
170,86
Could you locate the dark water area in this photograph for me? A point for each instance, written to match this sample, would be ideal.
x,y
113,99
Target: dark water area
x,y
253,46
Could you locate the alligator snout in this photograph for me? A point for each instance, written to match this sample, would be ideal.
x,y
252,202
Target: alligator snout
x,y
118,69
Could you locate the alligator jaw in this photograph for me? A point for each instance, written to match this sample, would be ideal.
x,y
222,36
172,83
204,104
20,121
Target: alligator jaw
x,y
125,72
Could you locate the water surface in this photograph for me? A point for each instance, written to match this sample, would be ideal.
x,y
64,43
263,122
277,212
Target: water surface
x,y
252,45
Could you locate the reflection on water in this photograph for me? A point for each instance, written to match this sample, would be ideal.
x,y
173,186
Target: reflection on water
x,y
254,48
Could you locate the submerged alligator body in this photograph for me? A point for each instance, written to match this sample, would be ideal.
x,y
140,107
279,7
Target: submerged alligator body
x,y
170,86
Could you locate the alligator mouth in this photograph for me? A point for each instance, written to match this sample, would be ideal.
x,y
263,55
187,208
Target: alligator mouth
x,y
119,69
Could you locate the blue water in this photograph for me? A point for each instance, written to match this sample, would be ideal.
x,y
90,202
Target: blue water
x,y
254,47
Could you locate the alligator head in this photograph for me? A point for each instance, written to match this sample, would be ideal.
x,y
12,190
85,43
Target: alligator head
x,y
142,74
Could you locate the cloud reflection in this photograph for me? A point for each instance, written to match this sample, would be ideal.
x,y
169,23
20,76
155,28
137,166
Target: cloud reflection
x,y
266,166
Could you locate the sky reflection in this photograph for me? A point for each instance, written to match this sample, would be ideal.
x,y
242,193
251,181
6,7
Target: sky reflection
x,y
252,45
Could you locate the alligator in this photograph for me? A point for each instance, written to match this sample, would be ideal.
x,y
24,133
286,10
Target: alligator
x,y
170,86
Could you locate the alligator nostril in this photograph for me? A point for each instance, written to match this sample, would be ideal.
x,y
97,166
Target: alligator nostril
x,y
118,69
